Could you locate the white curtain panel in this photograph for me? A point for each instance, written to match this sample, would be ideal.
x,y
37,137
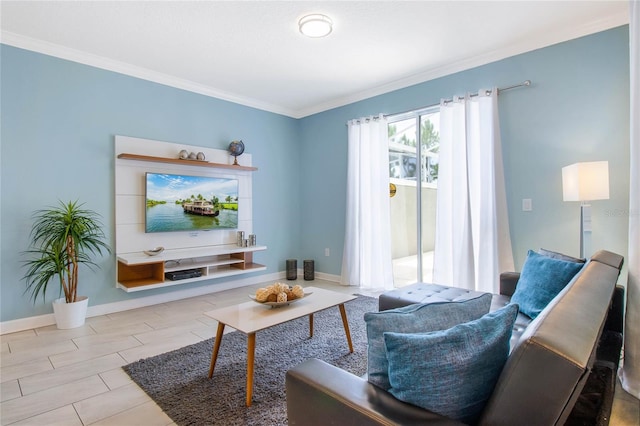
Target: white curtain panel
x,y
367,245
473,244
630,372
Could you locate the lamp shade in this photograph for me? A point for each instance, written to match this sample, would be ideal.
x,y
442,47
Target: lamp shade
x,y
586,181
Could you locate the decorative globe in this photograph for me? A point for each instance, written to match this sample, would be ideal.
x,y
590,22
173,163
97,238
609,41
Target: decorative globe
x,y
236,148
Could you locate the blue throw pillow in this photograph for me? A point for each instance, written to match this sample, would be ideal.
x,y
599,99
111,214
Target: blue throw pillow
x,y
561,256
541,279
451,372
414,319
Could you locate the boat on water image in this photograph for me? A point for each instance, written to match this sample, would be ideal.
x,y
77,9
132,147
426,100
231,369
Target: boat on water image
x,y
200,207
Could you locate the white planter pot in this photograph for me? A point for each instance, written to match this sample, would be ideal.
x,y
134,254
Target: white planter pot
x,y
70,315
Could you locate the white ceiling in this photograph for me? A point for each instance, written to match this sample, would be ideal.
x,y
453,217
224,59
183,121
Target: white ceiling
x,y
251,52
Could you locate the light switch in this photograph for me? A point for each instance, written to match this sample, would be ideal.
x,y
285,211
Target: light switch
x,y
526,205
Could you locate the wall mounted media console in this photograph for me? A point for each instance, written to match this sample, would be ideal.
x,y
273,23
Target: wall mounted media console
x,y
139,271
191,255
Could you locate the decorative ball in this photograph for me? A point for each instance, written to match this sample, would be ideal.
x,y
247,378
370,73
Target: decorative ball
x,y
262,294
192,156
282,297
200,156
280,287
298,291
183,154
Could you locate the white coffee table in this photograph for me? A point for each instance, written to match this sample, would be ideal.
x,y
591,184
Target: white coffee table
x,y
251,317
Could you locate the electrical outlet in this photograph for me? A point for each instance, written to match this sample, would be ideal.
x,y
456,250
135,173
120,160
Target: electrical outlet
x,y
527,205
327,252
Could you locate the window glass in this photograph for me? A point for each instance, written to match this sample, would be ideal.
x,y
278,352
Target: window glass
x,y
413,205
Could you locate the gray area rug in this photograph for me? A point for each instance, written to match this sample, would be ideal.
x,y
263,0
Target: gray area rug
x,y
177,381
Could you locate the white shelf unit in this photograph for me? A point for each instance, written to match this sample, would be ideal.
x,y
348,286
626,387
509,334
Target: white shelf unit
x,y
139,271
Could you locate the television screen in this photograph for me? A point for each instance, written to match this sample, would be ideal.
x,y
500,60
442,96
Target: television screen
x,y
190,203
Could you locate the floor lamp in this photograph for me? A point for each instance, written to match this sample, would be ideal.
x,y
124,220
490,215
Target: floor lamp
x,y
585,182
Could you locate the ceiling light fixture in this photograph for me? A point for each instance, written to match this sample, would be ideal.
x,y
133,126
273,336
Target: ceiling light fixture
x,y
315,25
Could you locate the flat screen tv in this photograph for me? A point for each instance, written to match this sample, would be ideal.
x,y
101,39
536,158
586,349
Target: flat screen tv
x,y
190,203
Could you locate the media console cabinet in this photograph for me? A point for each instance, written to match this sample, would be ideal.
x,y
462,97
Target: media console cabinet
x,y
139,271
190,256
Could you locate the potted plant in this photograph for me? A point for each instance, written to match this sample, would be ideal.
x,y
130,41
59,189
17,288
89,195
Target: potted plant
x,y
63,238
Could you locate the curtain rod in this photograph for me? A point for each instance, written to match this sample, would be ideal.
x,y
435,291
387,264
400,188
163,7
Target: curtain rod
x,y
502,89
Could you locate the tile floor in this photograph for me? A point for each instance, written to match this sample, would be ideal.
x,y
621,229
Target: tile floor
x,y
73,377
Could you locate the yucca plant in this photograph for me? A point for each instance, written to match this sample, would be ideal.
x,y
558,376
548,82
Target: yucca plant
x,y
62,238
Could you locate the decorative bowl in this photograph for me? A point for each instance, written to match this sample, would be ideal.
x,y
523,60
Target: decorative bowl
x,y
155,251
278,304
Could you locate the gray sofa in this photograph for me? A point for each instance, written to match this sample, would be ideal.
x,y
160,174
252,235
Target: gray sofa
x,y
550,362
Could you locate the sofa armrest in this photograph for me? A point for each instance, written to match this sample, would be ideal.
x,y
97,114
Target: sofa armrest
x,y
321,394
508,282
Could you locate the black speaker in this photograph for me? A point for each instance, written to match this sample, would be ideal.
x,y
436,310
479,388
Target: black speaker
x,y
308,266
292,269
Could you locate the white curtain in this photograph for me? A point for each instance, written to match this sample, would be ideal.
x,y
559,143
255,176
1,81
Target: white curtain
x,y
630,373
473,244
367,244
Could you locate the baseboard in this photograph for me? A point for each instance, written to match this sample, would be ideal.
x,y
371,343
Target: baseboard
x,y
28,323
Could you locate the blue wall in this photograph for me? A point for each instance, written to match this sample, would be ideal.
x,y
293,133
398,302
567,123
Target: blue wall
x,y
59,119
576,110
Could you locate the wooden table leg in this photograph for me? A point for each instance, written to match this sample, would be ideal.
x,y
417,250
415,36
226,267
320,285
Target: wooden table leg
x,y
310,325
216,348
343,313
251,350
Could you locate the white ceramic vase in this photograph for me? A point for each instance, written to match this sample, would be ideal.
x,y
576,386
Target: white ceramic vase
x,y
70,315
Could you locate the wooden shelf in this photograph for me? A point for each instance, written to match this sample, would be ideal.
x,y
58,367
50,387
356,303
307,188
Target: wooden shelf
x,y
138,271
197,163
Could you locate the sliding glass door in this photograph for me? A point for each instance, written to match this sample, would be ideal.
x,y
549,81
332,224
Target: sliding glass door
x,y
413,173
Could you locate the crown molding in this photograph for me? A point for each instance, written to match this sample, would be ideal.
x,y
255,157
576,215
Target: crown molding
x,y
62,52
548,39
